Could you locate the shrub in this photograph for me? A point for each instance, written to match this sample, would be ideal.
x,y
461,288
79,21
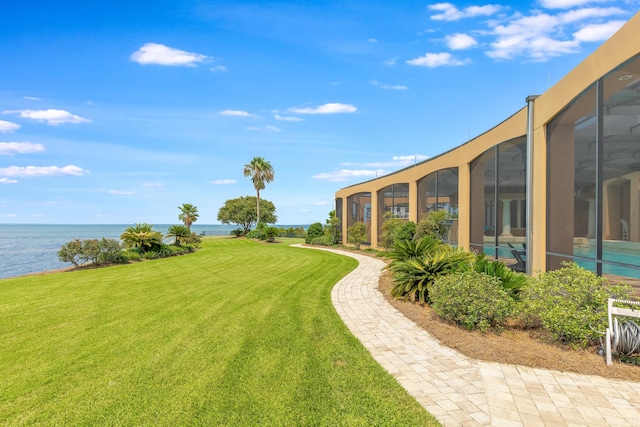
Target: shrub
x,y
413,277
324,240
357,234
570,304
511,281
109,251
390,229
90,250
314,230
150,255
132,255
471,299
434,224
407,231
269,234
71,252
238,232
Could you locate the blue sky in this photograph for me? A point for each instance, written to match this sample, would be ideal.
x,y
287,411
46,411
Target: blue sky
x,y
118,112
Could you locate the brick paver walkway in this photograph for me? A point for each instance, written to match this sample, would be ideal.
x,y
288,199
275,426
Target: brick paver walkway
x,y
460,391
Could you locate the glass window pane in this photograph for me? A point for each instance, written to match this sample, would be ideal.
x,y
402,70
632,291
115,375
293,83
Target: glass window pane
x,y
512,180
482,227
621,169
427,197
571,192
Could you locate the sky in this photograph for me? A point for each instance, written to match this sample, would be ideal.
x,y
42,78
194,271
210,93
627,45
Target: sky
x,y
118,112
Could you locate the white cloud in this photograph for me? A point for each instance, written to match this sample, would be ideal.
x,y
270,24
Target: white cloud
x,y
372,40
11,148
217,68
331,108
51,117
6,127
236,113
433,60
348,174
122,193
159,54
288,118
42,171
153,184
7,181
320,203
543,36
391,61
449,12
32,98
565,4
597,32
268,128
388,87
460,41
223,181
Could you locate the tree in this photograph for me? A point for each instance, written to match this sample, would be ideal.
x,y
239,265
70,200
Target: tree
x,y
261,172
243,211
357,234
332,228
141,236
188,214
179,233
314,230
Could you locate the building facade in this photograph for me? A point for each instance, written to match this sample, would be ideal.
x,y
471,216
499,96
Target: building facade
x,y
557,181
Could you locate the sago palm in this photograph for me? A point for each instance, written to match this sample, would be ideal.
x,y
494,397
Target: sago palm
x,y
404,250
179,233
261,172
141,236
413,277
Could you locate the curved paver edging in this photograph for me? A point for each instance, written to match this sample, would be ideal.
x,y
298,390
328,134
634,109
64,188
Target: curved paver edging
x,y
458,390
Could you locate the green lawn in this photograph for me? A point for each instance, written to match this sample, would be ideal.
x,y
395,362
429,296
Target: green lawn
x,y
238,333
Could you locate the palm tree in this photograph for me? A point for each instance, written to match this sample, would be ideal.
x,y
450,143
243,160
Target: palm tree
x,y
180,233
260,172
141,236
188,214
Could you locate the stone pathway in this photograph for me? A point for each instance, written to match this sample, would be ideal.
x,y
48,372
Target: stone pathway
x,y
460,391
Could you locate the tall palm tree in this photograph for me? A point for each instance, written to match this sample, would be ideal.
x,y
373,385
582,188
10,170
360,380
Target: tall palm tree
x,y
261,172
188,214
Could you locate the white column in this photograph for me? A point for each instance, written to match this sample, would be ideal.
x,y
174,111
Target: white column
x,y
506,218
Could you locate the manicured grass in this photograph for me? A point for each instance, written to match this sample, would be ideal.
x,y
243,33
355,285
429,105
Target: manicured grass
x,y
238,333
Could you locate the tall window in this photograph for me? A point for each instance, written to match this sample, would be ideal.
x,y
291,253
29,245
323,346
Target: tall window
x,y
593,195
498,201
359,206
438,191
393,201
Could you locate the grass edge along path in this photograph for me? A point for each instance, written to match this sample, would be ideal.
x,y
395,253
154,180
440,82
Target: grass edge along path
x,y
238,333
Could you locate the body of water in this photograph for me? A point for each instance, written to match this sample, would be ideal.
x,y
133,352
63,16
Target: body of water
x,y
32,248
